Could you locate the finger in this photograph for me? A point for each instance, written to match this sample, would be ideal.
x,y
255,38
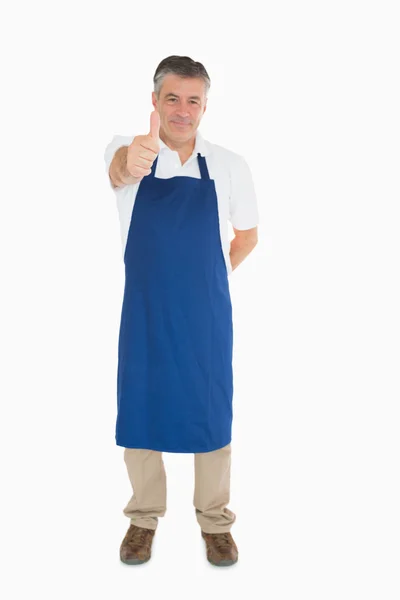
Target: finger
x,y
143,162
146,151
150,144
140,170
144,172
155,125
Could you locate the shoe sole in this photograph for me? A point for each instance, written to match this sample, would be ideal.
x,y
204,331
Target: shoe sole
x,y
134,561
223,563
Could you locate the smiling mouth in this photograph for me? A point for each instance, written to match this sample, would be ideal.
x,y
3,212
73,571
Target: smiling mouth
x,y
180,124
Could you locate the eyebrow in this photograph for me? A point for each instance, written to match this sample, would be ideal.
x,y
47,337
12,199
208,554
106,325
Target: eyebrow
x,y
190,97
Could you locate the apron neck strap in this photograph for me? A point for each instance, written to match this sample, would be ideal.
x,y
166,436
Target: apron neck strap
x,y
203,166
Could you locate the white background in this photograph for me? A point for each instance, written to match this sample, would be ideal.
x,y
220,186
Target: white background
x,y
308,93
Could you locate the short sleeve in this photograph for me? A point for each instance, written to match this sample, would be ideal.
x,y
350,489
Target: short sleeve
x,y
117,142
243,207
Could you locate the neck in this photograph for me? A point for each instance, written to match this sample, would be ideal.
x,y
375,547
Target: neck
x,y
185,147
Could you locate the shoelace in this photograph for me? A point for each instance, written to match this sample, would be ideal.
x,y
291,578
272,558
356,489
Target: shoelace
x,y
222,540
138,536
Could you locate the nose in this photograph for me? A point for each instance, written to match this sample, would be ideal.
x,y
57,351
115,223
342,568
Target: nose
x,y
182,109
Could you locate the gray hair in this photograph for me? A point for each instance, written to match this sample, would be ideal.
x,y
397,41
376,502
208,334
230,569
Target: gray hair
x,y
182,66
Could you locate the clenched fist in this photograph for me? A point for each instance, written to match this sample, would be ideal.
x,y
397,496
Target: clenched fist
x,y
144,149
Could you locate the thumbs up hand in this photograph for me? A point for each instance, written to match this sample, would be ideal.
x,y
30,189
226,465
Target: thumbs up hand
x,y
144,149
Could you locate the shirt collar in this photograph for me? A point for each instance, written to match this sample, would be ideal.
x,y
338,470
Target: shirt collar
x,y
200,145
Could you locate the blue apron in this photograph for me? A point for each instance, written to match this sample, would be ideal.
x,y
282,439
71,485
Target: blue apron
x,y
175,380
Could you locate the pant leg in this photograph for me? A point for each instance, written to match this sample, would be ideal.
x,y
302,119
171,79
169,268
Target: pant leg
x,y
212,490
148,479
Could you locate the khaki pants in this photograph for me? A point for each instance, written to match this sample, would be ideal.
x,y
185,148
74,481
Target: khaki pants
x,y
211,492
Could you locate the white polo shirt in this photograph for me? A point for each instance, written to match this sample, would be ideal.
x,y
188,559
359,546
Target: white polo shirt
x,y
236,195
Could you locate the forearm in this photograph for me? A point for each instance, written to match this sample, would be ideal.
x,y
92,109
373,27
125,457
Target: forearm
x,y
239,249
119,173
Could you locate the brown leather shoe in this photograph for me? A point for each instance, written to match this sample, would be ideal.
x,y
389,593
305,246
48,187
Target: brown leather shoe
x,y
136,545
221,549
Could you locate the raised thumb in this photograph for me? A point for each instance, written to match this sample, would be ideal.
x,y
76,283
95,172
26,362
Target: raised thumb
x,y
155,125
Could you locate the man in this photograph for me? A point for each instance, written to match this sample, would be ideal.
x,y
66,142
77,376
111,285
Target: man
x,y
175,193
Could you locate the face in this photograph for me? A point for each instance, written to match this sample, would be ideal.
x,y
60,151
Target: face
x,y
181,105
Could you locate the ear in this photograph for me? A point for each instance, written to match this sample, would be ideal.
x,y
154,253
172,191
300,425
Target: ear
x,y
154,99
